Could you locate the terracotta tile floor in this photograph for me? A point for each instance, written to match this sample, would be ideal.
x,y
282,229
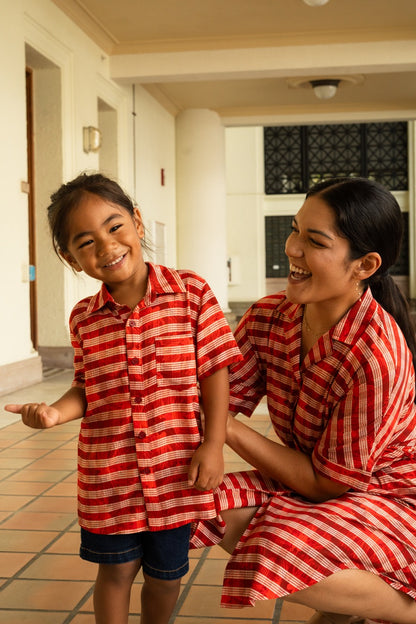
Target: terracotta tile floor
x,y
42,578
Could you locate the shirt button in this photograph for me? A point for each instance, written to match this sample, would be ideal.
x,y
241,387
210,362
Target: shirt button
x,y
142,435
146,471
134,361
137,400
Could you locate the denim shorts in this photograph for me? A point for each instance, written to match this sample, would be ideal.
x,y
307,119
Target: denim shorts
x,y
164,554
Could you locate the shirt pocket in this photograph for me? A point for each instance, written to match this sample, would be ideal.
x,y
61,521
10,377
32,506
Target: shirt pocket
x,y
175,361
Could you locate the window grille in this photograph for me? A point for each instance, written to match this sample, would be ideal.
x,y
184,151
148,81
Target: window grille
x,y
296,157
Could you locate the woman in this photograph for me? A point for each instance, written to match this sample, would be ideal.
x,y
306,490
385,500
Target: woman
x,y
328,519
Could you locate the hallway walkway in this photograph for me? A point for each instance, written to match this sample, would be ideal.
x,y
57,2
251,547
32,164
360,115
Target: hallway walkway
x,y
42,578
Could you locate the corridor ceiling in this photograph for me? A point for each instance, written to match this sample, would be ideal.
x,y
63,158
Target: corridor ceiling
x,y
243,58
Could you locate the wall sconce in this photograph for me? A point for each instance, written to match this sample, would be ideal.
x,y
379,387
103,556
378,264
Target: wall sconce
x,y
91,139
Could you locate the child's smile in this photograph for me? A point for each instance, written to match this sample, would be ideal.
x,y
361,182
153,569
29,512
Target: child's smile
x,y
115,263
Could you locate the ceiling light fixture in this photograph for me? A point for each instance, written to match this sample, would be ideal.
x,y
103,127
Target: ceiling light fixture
x,y
315,3
326,88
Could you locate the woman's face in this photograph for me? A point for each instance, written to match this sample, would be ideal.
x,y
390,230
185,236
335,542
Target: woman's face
x,y
320,267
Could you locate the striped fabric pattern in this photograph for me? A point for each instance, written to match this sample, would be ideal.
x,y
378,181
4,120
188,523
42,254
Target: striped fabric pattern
x,y
140,371
350,405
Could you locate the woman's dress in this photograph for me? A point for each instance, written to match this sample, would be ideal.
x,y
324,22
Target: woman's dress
x,y
349,405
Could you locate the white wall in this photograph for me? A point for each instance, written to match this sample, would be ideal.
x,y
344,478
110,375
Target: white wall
x,y
245,220
155,150
83,84
14,311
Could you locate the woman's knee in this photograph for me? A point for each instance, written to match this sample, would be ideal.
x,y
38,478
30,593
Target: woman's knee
x,y
237,521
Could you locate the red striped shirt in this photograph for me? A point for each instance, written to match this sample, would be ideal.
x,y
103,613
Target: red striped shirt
x,y
140,370
349,404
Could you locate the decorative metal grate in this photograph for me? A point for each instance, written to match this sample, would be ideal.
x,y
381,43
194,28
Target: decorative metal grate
x,y
277,229
386,155
283,159
296,157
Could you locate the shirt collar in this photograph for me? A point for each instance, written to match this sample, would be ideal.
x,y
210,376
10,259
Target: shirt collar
x,y
160,280
356,320
352,324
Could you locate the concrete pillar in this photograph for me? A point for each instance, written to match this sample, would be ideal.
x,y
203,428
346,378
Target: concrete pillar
x,y
201,198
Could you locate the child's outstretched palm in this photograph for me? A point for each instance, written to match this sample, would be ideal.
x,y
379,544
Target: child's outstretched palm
x,y
36,415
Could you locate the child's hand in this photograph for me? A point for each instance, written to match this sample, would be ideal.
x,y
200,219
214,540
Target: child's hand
x,y
36,415
207,467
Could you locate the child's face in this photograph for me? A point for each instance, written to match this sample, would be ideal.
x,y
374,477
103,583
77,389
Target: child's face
x,y
104,242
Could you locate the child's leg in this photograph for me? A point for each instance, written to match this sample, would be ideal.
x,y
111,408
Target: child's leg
x,y
165,561
158,599
112,591
119,558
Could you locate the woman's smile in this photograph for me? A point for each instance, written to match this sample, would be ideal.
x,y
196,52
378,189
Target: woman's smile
x,y
297,274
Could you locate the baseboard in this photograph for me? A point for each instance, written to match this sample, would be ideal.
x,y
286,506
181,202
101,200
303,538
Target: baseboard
x,y
57,357
20,374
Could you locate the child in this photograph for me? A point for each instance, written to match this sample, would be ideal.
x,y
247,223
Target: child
x,y
146,346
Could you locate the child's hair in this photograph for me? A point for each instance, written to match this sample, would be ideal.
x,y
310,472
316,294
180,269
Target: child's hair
x,y
369,217
70,195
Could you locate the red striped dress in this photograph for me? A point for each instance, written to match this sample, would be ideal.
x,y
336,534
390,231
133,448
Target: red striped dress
x,y
349,405
140,370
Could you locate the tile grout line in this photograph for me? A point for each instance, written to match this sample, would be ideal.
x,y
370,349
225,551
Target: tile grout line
x,y
78,607
39,496
187,588
36,556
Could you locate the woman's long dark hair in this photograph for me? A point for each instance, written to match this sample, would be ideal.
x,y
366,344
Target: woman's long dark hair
x,y
369,217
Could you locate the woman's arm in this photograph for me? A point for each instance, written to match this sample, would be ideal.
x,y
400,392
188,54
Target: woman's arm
x,y
292,468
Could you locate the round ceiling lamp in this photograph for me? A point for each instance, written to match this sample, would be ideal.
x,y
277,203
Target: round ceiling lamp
x,y
315,2
326,88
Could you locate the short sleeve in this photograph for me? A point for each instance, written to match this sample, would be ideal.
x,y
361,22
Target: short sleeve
x,y
79,372
216,347
248,376
360,426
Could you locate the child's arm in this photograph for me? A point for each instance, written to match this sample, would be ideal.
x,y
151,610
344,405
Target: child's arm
x,y
70,406
207,466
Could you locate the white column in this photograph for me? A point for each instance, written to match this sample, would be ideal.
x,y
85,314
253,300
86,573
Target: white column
x,y
201,198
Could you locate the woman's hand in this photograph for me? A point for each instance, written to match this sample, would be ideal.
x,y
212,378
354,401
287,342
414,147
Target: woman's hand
x,y
291,468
